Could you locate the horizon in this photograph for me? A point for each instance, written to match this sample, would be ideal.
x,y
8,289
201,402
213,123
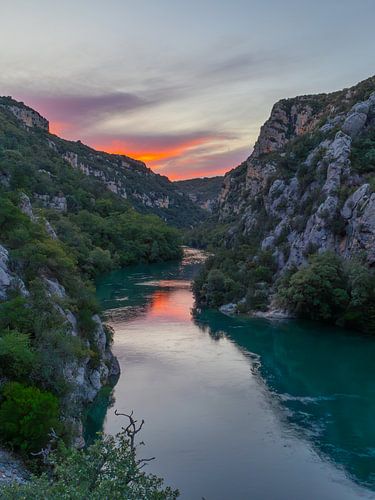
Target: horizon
x,y
184,89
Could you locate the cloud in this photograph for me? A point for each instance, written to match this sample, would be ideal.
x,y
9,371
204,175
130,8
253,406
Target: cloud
x,y
160,149
203,165
81,108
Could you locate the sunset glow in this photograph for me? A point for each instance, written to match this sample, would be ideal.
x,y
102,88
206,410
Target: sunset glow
x,y
187,105
172,304
154,156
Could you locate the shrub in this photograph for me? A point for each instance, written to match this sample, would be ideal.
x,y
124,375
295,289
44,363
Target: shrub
x,y
27,415
17,315
16,356
333,290
107,469
317,291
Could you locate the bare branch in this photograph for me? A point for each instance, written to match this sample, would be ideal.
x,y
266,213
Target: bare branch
x,y
130,431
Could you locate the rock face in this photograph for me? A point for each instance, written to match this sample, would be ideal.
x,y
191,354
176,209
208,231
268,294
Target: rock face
x,y
29,117
128,178
288,119
132,180
9,281
307,185
55,202
84,378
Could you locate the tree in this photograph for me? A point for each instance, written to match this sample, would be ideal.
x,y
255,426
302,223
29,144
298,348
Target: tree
x,y
27,415
16,356
108,469
318,290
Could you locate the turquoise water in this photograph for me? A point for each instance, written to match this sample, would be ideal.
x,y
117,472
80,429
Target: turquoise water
x,y
238,408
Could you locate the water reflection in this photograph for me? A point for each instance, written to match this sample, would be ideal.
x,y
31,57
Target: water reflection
x,y
322,377
316,382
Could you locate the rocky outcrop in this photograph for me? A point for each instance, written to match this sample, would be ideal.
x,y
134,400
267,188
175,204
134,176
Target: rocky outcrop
x,y
84,377
29,117
288,119
359,213
300,192
9,281
58,202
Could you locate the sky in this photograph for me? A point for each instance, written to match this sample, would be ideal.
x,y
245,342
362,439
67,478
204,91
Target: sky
x,y
181,85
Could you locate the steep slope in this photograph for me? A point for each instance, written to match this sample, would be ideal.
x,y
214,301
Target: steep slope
x,y
202,191
59,228
146,191
308,187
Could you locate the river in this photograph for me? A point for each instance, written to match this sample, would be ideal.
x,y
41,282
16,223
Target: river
x,y
237,408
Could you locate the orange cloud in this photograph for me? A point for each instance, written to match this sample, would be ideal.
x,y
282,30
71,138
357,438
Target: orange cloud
x,y
154,155
186,174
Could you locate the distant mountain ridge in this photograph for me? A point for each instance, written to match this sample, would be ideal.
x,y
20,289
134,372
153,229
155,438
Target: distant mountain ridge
x,y
203,191
131,179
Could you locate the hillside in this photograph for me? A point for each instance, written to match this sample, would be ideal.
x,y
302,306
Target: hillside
x,y
304,200
146,191
202,191
61,224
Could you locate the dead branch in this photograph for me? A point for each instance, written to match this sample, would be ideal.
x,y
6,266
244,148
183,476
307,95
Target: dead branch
x,y
130,431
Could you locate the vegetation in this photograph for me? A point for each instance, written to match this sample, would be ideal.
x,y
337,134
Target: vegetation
x,y
97,231
208,236
237,274
363,153
109,468
201,189
331,290
27,415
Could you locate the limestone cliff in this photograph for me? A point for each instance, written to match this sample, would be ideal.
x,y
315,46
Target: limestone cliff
x,y
130,179
306,194
309,183
83,378
28,116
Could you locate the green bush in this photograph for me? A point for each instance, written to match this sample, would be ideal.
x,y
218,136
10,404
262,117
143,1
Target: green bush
x,y
16,314
318,290
363,153
27,415
17,358
107,469
333,290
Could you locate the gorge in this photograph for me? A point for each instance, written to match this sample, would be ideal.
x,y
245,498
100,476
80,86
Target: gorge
x,y
229,400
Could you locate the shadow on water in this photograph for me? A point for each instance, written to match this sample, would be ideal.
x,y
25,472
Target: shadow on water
x,y
323,379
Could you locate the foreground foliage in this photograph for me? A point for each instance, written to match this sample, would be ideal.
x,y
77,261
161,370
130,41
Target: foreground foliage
x,y
108,469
